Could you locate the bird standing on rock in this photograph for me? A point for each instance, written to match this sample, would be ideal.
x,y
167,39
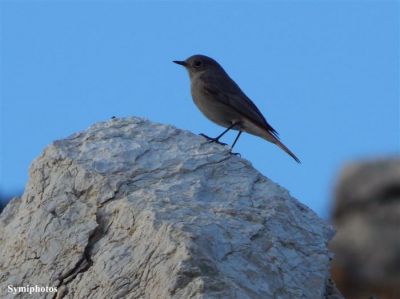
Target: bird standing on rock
x,y
221,100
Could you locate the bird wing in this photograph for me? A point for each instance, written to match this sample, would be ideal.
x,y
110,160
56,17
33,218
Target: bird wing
x,y
230,94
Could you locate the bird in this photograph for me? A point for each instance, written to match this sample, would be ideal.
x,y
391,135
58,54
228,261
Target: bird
x,y
222,101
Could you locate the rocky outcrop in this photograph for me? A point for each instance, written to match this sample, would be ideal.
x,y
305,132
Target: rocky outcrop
x,y
134,209
367,218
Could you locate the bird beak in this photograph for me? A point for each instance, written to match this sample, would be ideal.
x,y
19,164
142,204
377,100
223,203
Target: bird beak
x,y
180,62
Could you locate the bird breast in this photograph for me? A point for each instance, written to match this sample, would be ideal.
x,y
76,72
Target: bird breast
x,y
211,106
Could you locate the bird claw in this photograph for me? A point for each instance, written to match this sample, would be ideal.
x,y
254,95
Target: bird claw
x,y
210,139
235,154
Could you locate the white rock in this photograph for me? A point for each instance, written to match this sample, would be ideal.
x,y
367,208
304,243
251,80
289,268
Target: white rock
x,y
134,209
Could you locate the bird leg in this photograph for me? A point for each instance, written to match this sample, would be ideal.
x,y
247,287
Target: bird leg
x,y
234,142
236,139
216,139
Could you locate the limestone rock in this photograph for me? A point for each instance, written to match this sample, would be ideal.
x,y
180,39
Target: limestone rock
x,y
134,209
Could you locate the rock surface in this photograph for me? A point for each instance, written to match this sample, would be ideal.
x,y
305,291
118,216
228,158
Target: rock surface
x,y
134,209
367,218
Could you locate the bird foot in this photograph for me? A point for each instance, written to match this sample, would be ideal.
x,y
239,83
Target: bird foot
x,y
210,139
235,154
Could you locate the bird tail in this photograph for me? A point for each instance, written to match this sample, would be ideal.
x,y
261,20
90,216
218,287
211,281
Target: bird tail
x,y
288,151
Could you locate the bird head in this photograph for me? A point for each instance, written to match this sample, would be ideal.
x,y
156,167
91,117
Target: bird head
x,y
197,64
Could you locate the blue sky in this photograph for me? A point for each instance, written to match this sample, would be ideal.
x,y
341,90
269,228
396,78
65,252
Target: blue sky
x,y
324,73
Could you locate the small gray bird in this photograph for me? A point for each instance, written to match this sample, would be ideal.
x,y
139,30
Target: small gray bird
x,y
221,100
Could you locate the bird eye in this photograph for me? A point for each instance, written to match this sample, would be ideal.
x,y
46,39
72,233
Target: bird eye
x,y
198,63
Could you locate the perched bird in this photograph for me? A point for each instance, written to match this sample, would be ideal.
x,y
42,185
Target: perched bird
x,y
221,100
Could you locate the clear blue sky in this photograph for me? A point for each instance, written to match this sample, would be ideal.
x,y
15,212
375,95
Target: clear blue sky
x,y
324,73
